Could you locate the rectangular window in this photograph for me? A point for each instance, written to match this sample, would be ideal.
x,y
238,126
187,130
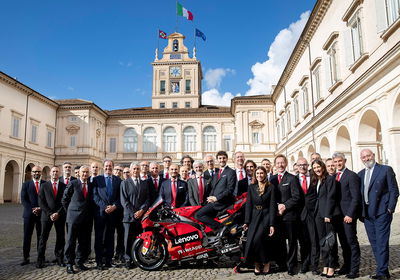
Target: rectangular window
x,y
73,118
72,141
187,104
288,118
174,104
16,121
306,103
255,113
333,64
162,105
188,85
296,109
113,145
392,11
34,130
317,83
162,86
283,127
227,143
49,139
256,138
356,38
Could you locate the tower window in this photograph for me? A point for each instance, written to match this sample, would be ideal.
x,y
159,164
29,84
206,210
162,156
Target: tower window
x,y
175,45
187,104
188,86
162,86
162,105
174,104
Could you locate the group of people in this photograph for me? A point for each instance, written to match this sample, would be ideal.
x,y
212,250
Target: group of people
x,y
313,207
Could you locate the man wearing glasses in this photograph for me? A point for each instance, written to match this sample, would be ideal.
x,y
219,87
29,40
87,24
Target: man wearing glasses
x,y
126,174
167,160
144,170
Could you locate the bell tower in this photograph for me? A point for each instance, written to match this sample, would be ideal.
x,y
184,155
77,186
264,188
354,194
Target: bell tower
x,y
176,77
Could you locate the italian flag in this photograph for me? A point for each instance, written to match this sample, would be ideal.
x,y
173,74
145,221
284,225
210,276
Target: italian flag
x,y
181,11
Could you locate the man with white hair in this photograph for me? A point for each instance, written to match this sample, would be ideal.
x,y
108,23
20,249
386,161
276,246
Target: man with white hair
x,y
211,170
380,192
199,187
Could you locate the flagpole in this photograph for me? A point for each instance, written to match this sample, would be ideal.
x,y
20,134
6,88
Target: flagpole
x,y
176,12
158,40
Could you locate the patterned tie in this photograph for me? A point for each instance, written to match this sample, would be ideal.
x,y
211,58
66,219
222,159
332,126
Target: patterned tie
x,y
240,175
109,186
155,184
201,189
55,189
279,178
366,184
84,190
219,173
37,187
338,175
304,184
173,194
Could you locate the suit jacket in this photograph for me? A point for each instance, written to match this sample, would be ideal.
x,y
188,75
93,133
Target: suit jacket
x,y
241,186
327,199
134,198
224,187
161,173
79,209
383,191
208,175
193,190
101,198
153,192
29,197
289,193
62,179
310,199
49,203
181,195
350,194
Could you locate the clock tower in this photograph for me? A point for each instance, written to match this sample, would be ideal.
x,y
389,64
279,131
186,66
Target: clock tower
x,y
176,77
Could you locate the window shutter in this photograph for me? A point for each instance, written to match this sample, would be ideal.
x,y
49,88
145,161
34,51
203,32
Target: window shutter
x,y
381,21
327,68
348,47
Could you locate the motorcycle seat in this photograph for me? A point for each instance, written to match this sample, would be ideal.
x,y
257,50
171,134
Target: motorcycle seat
x,y
224,212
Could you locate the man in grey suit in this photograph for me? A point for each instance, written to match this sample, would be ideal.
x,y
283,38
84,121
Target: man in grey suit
x,y
199,187
135,201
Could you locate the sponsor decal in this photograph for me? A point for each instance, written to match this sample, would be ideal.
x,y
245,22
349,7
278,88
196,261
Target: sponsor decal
x,y
185,238
188,250
202,256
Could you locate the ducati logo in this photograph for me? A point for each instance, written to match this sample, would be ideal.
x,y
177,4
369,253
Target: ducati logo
x,y
185,238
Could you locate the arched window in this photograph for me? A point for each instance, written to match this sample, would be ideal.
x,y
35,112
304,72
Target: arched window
x,y
175,45
169,139
150,140
130,141
210,139
189,139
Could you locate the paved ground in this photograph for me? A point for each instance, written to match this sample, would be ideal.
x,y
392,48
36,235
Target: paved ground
x,y
11,255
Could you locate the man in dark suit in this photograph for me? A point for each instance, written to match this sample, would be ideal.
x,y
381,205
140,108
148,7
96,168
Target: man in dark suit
x,y
174,191
221,195
350,202
267,165
211,170
106,195
67,173
290,202
188,162
241,178
135,202
379,198
50,195
155,180
199,187
167,160
308,239
78,203
32,211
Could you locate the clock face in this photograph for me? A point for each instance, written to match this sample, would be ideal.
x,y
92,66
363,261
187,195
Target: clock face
x,y
175,72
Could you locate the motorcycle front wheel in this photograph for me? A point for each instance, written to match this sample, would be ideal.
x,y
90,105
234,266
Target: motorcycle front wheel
x,y
154,259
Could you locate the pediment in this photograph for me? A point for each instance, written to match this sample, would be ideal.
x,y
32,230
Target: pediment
x,y
256,124
72,129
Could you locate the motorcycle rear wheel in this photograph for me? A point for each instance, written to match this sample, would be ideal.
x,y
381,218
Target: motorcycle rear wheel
x,y
153,260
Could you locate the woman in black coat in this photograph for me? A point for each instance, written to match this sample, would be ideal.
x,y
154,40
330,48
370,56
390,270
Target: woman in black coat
x,y
261,210
326,210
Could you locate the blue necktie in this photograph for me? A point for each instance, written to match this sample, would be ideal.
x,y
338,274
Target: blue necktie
x,y
109,186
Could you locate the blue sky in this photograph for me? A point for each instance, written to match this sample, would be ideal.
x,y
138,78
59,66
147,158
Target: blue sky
x,y
102,50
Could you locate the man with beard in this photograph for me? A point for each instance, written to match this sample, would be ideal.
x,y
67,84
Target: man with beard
x,y
67,173
174,191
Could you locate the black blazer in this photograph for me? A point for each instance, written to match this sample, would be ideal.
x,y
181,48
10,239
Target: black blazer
x,y
207,174
50,204
153,192
224,187
289,193
101,198
350,194
29,197
62,179
193,190
327,205
79,209
134,198
181,195
310,199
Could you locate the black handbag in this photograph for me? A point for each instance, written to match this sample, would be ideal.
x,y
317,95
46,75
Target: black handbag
x,y
328,241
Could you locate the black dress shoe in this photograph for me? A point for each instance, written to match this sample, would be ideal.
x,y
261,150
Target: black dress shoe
x,y
330,276
304,270
109,265
352,275
379,277
25,262
70,269
40,264
291,272
82,267
343,271
315,272
100,267
257,272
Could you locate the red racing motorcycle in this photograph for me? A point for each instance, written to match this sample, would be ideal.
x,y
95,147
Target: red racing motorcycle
x,y
172,235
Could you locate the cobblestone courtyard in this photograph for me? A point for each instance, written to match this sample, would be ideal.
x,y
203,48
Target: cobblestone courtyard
x,y
11,256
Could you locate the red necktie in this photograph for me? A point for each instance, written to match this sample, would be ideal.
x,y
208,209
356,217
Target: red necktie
x,y
338,176
37,187
219,173
201,189
145,177
173,192
241,175
66,181
166,175
84,190
279,178
304,184
55,189
155,184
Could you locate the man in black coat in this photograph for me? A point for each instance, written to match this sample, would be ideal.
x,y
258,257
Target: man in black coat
x,y
155,180
290,202
135,202
349,191
221,195
50,195
242,183
199,187
106,196
67,173
78,203
32,211
174,191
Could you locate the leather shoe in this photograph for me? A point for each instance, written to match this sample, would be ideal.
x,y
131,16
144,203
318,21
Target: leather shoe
x,y
352,275
343,271
70,269
82,267
379,277
304,270
330,276
25,262
291,272
315,272
40,264
109,265
100,267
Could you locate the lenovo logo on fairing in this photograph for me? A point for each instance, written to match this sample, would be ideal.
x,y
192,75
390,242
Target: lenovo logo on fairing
x,y
185,238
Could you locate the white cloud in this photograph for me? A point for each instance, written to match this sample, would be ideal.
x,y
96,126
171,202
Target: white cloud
x,y
214,97
268,72
214,77
70,88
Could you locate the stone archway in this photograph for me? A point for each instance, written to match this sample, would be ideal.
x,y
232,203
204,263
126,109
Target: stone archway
x,y
394,136
343,144
300,155
324,148
292,161
28,172
370,134
11,182
46,173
